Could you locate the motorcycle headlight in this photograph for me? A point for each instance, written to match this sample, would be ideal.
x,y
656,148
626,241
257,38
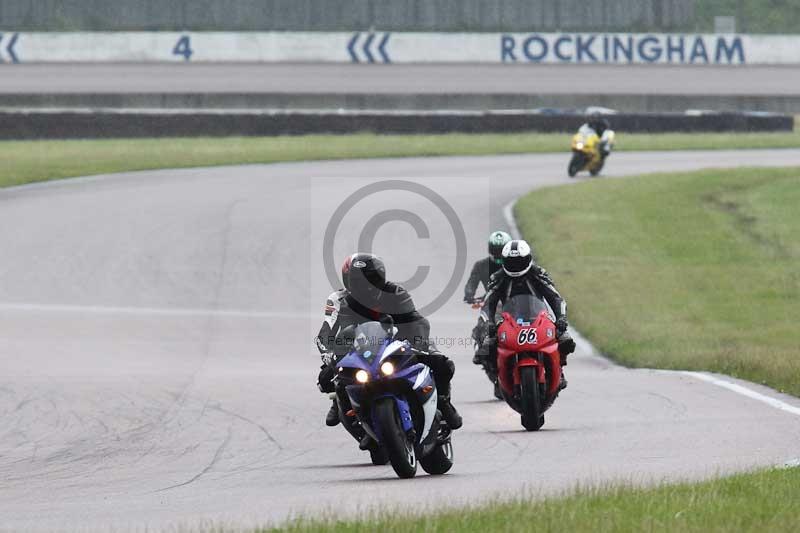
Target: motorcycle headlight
x,y
362,376
387,368
579,146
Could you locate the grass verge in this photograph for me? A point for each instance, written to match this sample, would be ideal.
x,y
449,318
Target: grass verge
x,y
680,271
761,501
30,161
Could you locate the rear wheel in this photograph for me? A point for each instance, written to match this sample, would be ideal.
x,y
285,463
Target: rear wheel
x,y
497,392
379,456
532,416
596,170
398,446
575,164
440,460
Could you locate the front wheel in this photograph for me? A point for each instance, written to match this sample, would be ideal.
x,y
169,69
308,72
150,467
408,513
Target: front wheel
x,y
532,416
576,164
398,446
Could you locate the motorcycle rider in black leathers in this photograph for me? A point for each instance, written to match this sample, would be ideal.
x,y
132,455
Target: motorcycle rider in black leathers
x,y
483,269
368,296
520,275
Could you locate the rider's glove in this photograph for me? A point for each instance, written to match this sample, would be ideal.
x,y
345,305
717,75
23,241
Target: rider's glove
x,y
561,325
328,358
468,300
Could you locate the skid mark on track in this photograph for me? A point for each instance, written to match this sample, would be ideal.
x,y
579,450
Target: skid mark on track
x,y
264,430
208,467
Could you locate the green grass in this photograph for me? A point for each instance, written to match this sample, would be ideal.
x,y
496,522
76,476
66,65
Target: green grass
x,y
753,16
762,501
680,271
30,161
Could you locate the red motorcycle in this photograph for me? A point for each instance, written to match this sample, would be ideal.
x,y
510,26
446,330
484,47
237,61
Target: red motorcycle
x,y
528,361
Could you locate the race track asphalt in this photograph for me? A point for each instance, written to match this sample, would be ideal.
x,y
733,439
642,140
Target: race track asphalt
x,y
312,78
158,367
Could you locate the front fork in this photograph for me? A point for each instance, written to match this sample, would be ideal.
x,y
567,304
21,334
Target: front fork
x,y
403,410
529,360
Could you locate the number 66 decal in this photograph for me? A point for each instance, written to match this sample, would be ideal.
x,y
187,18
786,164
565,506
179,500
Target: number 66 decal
x,y
527,336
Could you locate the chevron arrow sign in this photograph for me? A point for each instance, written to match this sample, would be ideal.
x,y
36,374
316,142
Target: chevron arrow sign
x,y
7,43
369,47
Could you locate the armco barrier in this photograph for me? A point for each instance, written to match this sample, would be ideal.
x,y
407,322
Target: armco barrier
x,y
631,103
71,124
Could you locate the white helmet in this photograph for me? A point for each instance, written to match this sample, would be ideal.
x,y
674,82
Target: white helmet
x,y
517,258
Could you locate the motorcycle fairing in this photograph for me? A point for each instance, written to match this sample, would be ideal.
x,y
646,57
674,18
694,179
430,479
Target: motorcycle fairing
x,y
408,386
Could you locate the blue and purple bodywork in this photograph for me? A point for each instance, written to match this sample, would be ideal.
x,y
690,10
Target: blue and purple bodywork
x,y
409,384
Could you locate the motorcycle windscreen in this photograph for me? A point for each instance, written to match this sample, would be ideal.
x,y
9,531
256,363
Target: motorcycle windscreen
x,y
525,307
370,338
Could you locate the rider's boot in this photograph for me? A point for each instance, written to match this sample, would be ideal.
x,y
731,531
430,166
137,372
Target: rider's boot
x,y
449,413
332,418
366,442
562,383
566,345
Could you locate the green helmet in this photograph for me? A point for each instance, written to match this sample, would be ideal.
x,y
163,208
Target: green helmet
x,y
497,240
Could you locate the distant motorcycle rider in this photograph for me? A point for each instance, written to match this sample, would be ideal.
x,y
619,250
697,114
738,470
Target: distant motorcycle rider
x,y
367,295
597,123
483,269
520,275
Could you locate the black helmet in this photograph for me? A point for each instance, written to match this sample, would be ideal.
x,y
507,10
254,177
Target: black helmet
x,y
597,122
497,240
364,275
517,258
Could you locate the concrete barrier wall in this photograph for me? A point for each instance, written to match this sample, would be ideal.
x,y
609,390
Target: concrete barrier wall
x,y
344,15
72,124
633,103
388,47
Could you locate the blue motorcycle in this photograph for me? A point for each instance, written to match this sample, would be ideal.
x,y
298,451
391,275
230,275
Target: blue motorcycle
x,y
386,392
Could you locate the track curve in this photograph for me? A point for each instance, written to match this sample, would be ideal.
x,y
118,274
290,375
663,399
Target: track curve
x,y
155,341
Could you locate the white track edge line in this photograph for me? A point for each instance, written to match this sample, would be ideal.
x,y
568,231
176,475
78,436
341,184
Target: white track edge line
x,y
744,391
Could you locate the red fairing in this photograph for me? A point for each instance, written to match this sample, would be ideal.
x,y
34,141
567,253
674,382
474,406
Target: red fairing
x,y
518,346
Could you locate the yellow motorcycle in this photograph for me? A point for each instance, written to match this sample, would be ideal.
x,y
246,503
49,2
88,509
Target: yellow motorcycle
x,y
586,154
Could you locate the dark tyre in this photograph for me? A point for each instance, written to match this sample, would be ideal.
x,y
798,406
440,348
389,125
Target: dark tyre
x,y
440,460
497,392
532,416
575,164
596,170
379,456
398,446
